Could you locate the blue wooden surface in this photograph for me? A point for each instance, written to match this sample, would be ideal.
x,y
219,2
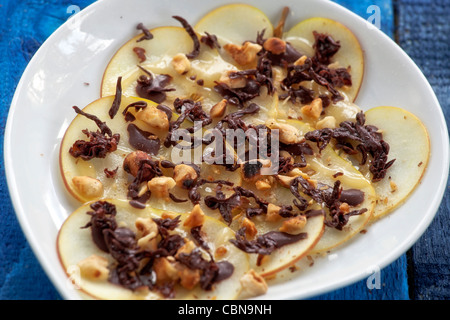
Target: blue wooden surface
x,y
421,27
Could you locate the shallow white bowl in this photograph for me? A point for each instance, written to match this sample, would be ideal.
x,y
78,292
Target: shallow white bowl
x,y
77,53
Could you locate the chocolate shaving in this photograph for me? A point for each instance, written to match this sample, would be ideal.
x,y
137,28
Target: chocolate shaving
x,y
369,142
196,233
210,40
153,88
110,173
325,47
117,99
266,243
100,142
147,34
210,271
138,105
143,140
196,51
140,53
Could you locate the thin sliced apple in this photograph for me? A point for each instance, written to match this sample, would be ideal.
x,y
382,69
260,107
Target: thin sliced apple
x,y
235,23
117,186
410,147
75,244
350,53
325,169
72,167
167,42
288,255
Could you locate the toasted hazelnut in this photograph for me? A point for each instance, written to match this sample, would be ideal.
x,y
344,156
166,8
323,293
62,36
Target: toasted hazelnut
x,y
273,213
313,110
326,122
244,54
154,118
88,187
94,267
300,61
285,181
133,160
218,110
252,284
287,134
233,82
195,218
181,63
165,270
275,45
145,226
250,229
293,225
186,248
220,251
148,242
262,185
184,175
160,186
188,277
344,208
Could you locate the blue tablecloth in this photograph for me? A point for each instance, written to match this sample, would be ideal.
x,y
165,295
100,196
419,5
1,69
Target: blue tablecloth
x,y
421,27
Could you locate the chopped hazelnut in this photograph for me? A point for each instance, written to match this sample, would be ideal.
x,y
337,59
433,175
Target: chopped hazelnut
x,y
148,242
233,82
326,122
195,218
133,160
250,229
285,181
218,110
252,284
186,248
155,118
244,54
293,225
221,251
88,187
188,277
165,270
275,45
145,226
262,185
313,110
160,186
287,134
273,213
300,61
94,267
184,175
181,63
344,208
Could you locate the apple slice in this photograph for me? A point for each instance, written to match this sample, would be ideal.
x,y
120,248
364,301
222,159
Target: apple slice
x,y
167,42
117,186
75,243
325,169
410,147
235,23
286,256
350,53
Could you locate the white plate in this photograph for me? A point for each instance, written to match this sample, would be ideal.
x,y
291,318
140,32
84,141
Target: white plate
x,y
77,53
